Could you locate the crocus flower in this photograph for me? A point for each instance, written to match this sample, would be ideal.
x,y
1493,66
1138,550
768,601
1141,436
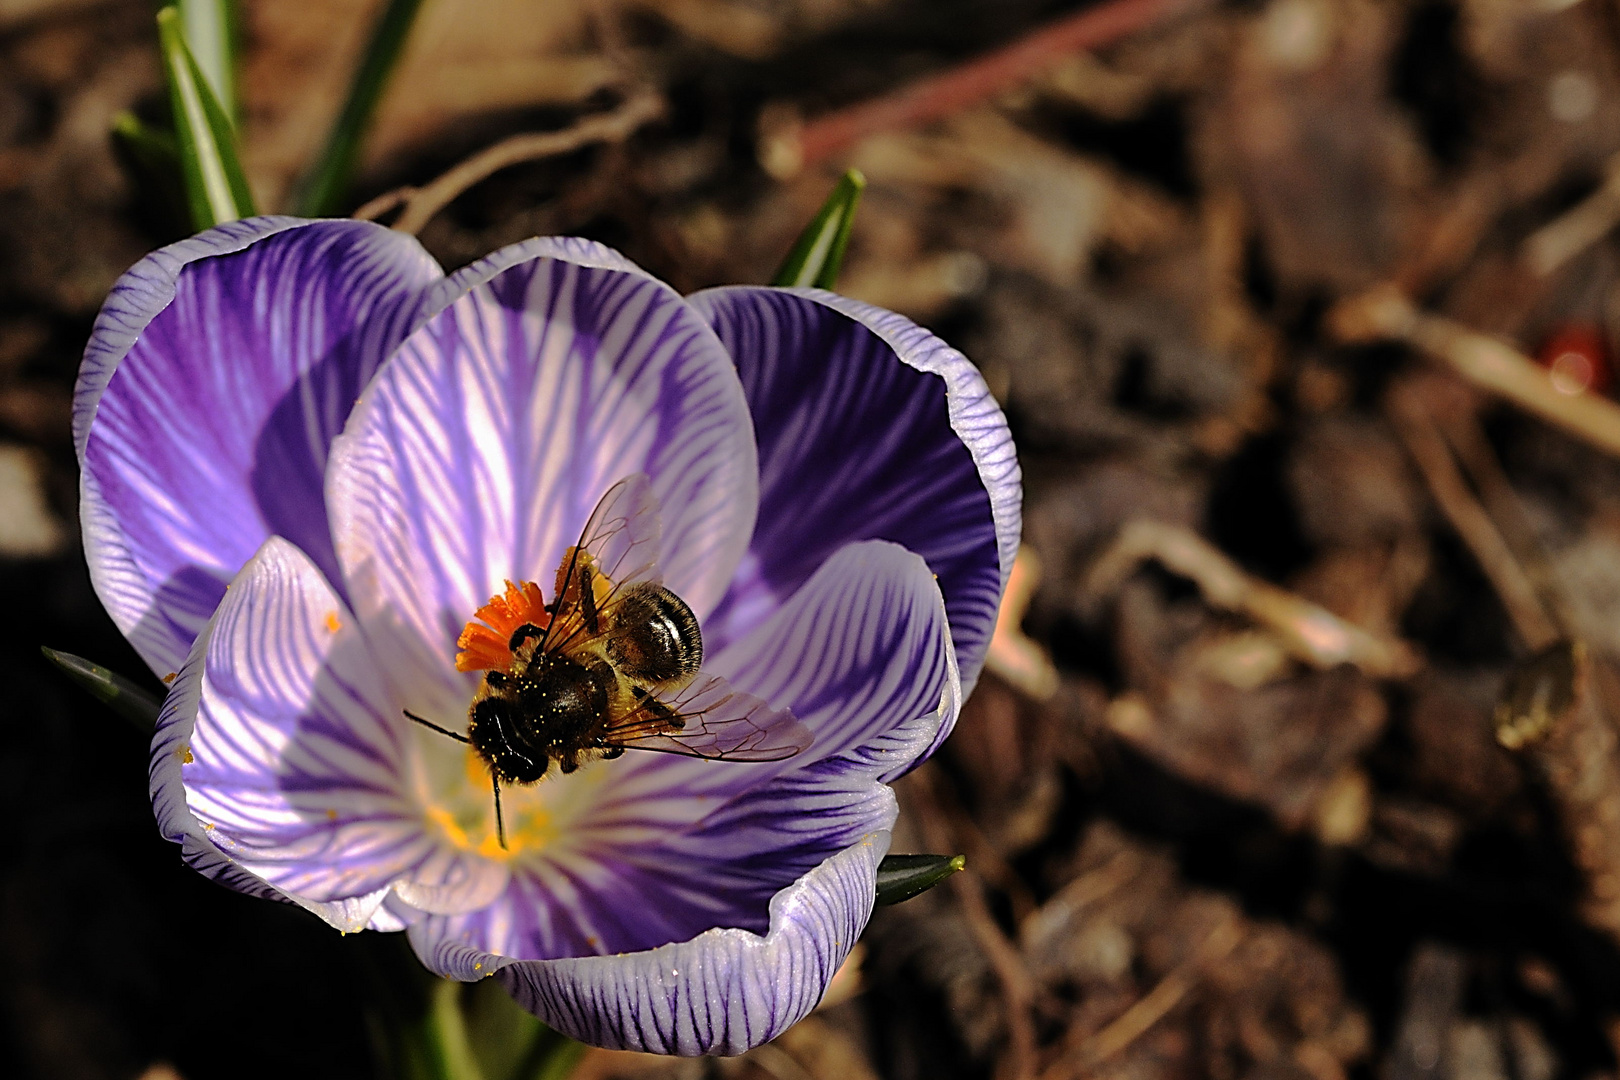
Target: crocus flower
x,y
309,462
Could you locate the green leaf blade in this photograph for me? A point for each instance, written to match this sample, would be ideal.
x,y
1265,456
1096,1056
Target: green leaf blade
x,y
324,188
901,877
216,186
155,149
210,32
127,699
452,1053
818,254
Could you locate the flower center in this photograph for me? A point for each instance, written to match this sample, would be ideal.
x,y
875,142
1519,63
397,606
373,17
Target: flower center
x,y
458,785
467,819
460,802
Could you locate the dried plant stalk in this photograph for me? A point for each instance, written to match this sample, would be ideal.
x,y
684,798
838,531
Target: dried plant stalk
x,y
614,126
1309,631
1384,313
1578,228
1512,584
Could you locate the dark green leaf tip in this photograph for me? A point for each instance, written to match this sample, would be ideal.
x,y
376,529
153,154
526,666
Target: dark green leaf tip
x,y
324,189
818,254
900,877
156,149
124,697
216,186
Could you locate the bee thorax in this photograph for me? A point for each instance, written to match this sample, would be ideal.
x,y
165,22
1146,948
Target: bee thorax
x,y
548,709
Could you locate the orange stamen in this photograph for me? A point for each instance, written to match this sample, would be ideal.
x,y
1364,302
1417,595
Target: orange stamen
x,y
484,643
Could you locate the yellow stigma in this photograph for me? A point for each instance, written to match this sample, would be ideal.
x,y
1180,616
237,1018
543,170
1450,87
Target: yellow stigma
x,y
467,820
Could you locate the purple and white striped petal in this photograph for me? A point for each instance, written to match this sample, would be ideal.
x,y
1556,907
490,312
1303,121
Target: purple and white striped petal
x,y
139,294
478,453
869,427
723,992
670,848
219,373
295,761
861,654
862,648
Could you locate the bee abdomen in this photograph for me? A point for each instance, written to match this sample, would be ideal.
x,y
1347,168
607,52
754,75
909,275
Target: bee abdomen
x,y
655,637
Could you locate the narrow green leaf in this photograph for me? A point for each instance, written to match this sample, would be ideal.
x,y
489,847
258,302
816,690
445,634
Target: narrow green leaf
x,y
509,1042
128,700
209,27
556,1057
818,254
447,1033
155,149
216,186
323,190
153,159
900,877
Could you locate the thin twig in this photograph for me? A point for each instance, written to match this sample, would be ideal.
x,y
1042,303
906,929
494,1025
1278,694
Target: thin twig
x,y
614,126
1428,449
978,80
1578,228
1577,748
376,208
1151,1007
1017,985
1134,1022
1384,313
981,854
1309,631
1467,439
1013,656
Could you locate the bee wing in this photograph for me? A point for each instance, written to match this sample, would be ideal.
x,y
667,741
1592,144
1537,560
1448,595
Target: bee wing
x,y
710,719
621,539
624,531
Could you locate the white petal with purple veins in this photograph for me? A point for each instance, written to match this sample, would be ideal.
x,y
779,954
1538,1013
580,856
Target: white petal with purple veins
x,y
869,427
478,453
295,759
861,651
210,394
723,992
139,294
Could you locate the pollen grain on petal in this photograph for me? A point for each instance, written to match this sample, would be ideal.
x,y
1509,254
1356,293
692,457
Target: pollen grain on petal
x,y
483,642
333,623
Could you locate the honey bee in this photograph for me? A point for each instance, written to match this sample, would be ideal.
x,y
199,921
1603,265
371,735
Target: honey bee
x,y
613,664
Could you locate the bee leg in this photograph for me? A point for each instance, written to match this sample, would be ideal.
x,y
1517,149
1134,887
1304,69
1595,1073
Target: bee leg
x,y
523,634
587,600
500,822
428,724
611,752
658,710
568,764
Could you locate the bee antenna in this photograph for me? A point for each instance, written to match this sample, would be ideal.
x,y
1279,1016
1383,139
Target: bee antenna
x,y
500,823
442,731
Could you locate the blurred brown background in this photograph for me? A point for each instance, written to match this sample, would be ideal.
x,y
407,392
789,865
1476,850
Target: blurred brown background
x,y
1236,806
